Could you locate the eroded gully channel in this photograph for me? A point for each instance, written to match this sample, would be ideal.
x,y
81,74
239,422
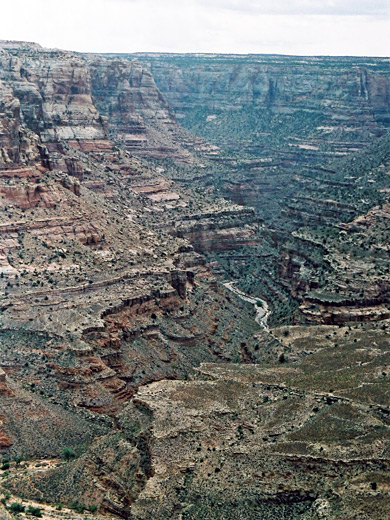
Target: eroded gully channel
x,y
262,311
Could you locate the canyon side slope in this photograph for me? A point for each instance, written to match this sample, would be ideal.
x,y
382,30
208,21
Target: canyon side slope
x,y
134,383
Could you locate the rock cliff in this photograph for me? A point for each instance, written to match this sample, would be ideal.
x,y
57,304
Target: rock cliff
x,y
298,140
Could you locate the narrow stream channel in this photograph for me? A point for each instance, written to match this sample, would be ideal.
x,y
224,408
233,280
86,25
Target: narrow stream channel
x,y
262,311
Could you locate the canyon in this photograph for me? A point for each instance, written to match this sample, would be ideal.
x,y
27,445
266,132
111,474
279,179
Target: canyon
x,y
195,290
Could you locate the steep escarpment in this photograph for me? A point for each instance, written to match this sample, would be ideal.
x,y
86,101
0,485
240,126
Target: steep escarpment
x,y
276,120
347,93
97,297
137,114
299,141
72,102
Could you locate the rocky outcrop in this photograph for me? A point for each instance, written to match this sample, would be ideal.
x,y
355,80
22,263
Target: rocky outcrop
x,y
225,228
137,114
79,100
232,426
60,108
9,127
349,92
52,98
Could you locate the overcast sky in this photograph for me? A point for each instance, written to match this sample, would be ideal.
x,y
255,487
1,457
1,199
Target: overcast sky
x,y
312,27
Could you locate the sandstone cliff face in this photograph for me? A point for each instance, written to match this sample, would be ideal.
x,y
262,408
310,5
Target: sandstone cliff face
x,y
52,89
68,100
138,116
336,88
55,93
219,227
9,129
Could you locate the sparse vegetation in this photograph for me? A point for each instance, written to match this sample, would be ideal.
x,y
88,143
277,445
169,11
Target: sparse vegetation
x,y
68,454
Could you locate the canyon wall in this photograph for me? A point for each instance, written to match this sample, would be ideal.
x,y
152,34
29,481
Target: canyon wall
x,y
302,140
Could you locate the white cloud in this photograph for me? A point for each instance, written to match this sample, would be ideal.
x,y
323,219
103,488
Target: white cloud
x,y
284,7
230,26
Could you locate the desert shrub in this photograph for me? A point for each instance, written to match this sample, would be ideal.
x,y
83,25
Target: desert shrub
x,y
68,454
16,507
79,508
34,511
